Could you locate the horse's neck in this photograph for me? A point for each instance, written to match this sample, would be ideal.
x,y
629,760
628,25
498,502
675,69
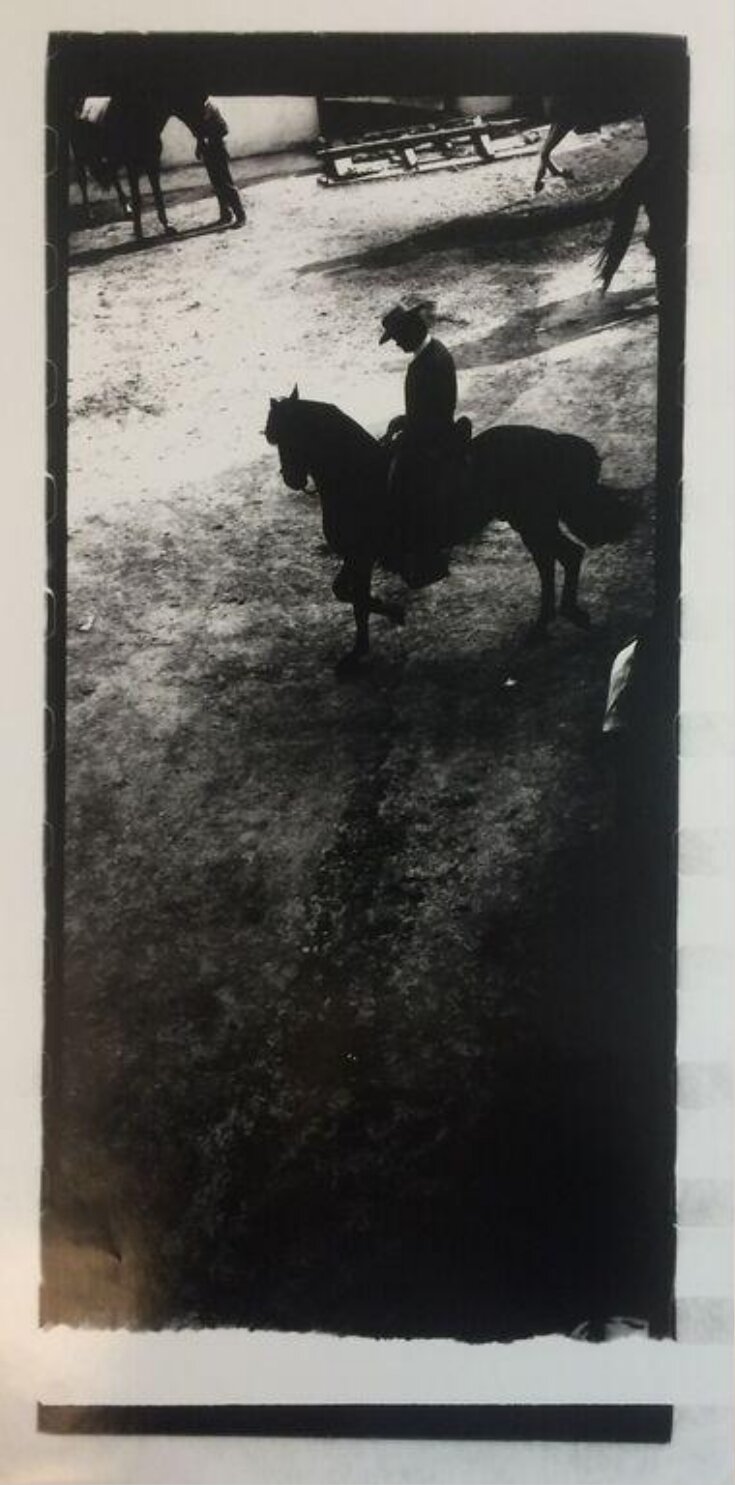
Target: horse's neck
x,y
334,444
131,111
159,118
191,120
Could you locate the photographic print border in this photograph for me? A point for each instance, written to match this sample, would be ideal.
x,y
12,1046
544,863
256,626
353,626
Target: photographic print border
x,y
695,1379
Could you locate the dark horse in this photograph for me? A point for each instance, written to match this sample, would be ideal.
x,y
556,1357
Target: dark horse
x,y
649,184
526,476
128,137
87,141
582,112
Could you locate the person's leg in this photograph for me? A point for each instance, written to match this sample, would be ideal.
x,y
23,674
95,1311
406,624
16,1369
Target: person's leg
x,y
211,164
221,177
233,195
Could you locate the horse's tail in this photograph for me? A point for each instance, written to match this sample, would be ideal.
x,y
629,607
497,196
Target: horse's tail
x,y
594,512
630,198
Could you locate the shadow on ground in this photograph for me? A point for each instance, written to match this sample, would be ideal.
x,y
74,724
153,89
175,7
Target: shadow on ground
x,y
88,257
545,326
480,235
186,184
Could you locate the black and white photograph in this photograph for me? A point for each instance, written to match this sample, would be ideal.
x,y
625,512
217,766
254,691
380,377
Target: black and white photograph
x,y
362,1014
365,444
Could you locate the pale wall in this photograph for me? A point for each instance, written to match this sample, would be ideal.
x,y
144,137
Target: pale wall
x,y
258,126
491,106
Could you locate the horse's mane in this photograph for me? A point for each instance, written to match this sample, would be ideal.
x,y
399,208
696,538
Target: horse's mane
x,y
335,443
328,420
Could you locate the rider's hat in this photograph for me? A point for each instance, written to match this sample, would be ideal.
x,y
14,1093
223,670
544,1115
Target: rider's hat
x,y
398,318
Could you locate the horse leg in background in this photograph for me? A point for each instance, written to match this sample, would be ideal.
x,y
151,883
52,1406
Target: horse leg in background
x,y
134,183
154,176
556,133
122,198
342,587
359,575
569,553
84,188
542,551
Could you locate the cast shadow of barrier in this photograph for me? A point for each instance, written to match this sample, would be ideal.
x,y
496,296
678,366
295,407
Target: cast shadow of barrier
x,y
545,326
90,256
479,234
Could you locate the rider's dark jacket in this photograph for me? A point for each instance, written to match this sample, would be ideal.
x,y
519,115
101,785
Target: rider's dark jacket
x,y
431,395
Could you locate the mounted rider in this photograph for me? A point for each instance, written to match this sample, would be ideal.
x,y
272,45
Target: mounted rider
x,y
427,449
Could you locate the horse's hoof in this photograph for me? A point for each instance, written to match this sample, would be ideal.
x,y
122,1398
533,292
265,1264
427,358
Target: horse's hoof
x,y
349,667
576,615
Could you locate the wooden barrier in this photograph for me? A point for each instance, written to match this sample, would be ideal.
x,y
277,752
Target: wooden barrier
x,y
457,143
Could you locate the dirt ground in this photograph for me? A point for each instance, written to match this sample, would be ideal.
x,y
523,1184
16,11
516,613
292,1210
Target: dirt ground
x,y
343,1045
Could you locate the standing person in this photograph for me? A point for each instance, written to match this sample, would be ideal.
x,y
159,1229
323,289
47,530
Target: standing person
x,y
422,442
212,151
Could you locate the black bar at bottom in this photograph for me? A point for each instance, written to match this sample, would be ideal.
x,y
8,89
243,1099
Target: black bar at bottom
x,y
591,1424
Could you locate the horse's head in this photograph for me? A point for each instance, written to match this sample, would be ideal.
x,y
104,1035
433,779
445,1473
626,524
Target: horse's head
x,y
283,430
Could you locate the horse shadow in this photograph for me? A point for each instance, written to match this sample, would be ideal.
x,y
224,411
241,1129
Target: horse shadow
x,y
88,257
482,234
542,327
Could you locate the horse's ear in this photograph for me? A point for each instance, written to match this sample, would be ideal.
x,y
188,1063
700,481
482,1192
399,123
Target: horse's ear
x,y
295,394
273,402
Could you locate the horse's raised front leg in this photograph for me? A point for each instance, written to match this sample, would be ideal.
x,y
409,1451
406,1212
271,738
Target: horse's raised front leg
x,y
344,590
394,612
134,183
155,180
357,575
543,555
570,554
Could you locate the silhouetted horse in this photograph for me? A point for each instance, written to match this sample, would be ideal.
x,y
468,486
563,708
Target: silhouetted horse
x,y
648,185
127,136
528,477
583,112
